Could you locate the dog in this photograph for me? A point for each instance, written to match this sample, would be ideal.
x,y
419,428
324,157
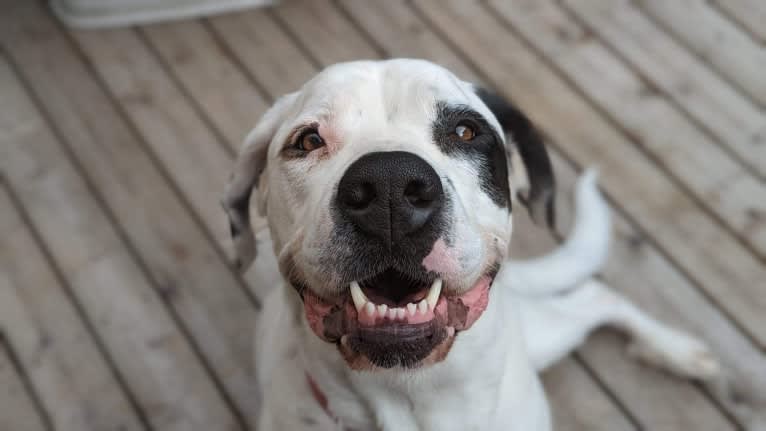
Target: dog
x,y
389,188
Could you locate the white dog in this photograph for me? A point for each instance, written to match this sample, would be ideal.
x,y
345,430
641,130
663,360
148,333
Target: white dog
x,y
388,188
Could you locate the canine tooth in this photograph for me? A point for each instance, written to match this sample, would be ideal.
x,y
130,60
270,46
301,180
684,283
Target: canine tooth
x,y
434,292
369,308
392,313
382,308
358,296
411,309
423,307
400,313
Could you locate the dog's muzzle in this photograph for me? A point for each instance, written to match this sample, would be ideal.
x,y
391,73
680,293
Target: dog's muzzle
x,y
393,311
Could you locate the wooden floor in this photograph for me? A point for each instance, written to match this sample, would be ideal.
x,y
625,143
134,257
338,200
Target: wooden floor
x,y
119,311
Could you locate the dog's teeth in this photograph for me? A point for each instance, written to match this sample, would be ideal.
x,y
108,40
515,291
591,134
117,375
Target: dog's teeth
x,y
382,308
358,296
400,313
433,294
423,307
369,308
392,313
411,309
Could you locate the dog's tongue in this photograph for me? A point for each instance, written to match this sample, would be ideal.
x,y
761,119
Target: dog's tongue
x,y
330,320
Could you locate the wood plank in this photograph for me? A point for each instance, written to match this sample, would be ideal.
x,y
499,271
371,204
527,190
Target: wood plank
x,y
406,35
210,76
751,14
259,43
716,40
574,394
152,355
577,404
227,99
737,123
311,21
18,412
187,269
709,254
725,189
637,268
51,341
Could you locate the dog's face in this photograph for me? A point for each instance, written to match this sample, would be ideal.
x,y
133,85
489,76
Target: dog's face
x,y
388,187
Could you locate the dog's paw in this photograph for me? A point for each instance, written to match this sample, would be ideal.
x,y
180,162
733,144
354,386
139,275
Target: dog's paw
x,y
677,352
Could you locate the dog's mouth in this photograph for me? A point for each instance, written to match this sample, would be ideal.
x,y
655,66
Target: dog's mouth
x,y
393,319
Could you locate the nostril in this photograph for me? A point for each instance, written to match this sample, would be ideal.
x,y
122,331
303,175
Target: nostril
x,y
420,195
360,197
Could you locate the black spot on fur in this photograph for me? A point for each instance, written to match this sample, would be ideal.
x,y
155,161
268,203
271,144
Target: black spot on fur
x,y
486,149
540,199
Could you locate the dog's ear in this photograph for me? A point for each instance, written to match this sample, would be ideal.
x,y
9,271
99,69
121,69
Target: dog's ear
x,y
246,175
536,175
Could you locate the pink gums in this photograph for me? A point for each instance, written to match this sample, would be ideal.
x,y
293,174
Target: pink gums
x,y
441,259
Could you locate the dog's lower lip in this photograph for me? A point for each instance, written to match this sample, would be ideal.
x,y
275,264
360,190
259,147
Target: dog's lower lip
x,y
359,333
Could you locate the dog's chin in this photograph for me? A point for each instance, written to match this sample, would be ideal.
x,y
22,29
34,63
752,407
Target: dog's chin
x,y
414,330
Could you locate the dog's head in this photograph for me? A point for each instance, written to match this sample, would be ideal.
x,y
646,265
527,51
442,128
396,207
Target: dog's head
x,y
388,189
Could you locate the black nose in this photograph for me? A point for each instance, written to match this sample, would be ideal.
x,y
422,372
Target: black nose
x,y
390,195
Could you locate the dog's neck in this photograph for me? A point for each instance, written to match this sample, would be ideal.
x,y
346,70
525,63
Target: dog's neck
x,y
486,380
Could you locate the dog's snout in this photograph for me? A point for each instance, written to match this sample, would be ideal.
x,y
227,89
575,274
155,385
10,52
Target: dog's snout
x,y
390,195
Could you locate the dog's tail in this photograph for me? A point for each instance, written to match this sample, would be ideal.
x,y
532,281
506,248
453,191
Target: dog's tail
x,y
578,258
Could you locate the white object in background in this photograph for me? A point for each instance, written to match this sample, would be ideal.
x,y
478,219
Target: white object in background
x,y
111,13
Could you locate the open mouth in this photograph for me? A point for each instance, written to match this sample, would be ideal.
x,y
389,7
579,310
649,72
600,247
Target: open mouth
x,y
394,319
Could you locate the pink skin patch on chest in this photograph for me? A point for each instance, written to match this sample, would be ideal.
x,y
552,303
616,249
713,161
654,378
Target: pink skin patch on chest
x,y
442,259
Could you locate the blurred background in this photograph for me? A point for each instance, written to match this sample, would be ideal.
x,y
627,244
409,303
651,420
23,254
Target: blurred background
x,y
119,309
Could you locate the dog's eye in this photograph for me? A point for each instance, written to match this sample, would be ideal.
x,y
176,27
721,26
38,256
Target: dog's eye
x,y
310,141
465,132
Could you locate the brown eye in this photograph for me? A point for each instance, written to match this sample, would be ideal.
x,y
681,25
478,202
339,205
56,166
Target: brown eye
x,y
310,142
465,132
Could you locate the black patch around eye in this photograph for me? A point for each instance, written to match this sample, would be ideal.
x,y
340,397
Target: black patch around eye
x,y
486,149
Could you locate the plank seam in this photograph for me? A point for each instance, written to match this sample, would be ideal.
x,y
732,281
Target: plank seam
x,y
626,214
736,21
630,136
366,36
614,204
58,273
670,99
612,121
26,383
197,351
228,52
738,88
167,176
621,406
117,227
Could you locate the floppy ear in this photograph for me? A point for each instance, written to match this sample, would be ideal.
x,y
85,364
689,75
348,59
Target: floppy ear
x,y
539,180
246,175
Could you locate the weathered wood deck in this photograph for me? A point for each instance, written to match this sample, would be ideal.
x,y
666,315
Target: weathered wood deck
x,y
119,310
